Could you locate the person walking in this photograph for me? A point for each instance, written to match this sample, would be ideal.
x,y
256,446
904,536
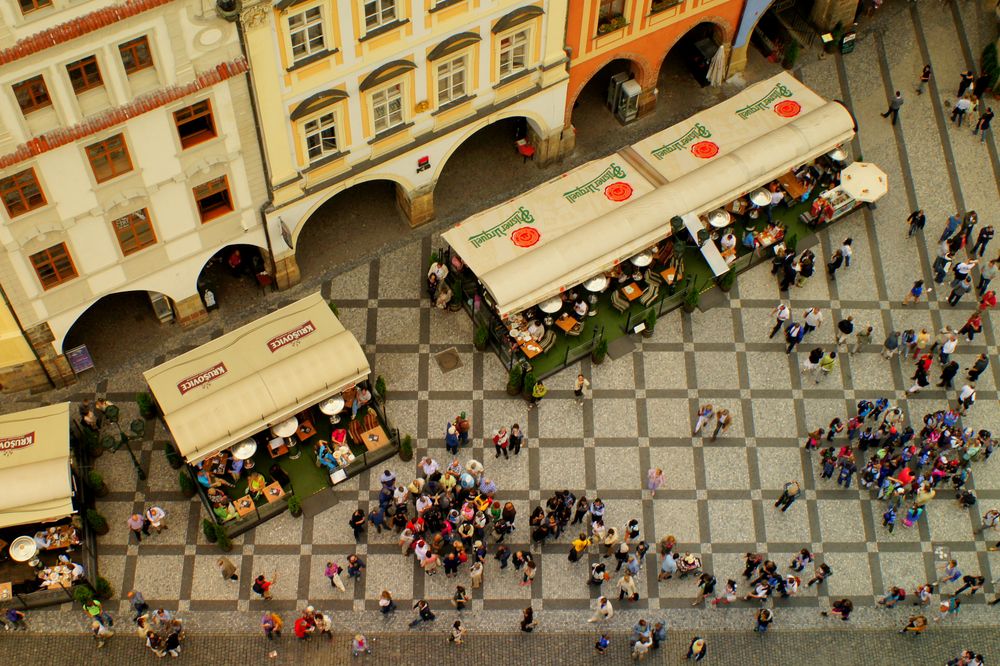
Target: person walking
x,y
654,479
137,526
793,336
101,633
457,634
360,645
950,227
604,610
764,619
832,266
972,326
959,110
894,105
789,494
538,392
781,313
915,292
386,604
967,78
156,518
986,275
925,76
845,327
516,438
847,251
827,365
424,613
978,367
948,373
528,621
138,604
95,611
916,624
982,126
582,383
501,440
357,523
966,398
706,587
916,222
813,319
862,337
227,568
601,646
460,599
841,608
705,413
332,573
982,240
723,419
959,290
262,586
271,624
698,649
463,426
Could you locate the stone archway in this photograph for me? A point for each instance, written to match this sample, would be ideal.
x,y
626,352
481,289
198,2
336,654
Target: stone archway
x,y
601,71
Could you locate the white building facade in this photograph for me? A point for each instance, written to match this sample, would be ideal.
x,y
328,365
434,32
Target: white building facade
x,y
128,158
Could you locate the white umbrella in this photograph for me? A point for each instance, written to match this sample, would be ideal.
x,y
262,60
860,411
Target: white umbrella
x,y
717,68
864,181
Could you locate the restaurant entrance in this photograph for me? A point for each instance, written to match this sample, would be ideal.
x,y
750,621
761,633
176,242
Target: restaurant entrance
x,y
598,103
352,224
232,276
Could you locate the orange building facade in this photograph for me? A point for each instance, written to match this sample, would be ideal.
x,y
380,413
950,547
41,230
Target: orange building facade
x,y
640,31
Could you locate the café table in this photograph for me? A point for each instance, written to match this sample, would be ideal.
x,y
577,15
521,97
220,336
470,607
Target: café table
x,y
64,537
273,492
245,506
761,197
791,184
632,291
566,323
374,438
530,348
737,206
332,406
669,274
643,259
276,447
286,428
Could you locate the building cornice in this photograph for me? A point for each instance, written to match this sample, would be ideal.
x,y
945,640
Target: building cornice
x,y
77,27
120,114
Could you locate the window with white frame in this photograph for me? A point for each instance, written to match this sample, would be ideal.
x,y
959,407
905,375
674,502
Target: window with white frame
x,y
379,12
305,29
513,53
387,107
321,136
451,80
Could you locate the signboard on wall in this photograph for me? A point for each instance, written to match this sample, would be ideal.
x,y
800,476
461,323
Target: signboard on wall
x,y
79,359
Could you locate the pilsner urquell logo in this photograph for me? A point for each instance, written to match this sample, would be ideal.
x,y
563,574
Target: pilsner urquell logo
x,y
202,378
9,444
290,337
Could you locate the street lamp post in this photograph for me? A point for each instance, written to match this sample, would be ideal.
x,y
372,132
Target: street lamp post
x,y
138,427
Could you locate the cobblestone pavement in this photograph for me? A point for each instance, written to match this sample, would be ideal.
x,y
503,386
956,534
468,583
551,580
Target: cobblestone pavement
x,y
844,647
718,498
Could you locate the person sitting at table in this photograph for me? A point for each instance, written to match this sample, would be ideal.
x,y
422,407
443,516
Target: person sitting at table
x,y
636,275
439,270
749,240
236,468
225,512
443,297
364,396
75,569
256,483
217,497
208,480
45,538
536,330
728,241
324,456
432,286
580,308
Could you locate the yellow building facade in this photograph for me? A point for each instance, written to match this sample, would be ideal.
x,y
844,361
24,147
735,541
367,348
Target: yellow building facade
x,y
349,91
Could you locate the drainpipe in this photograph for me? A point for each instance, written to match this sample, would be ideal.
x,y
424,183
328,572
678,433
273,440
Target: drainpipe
x,y
24,334
260,146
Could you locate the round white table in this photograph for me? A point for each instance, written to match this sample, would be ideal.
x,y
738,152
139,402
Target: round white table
x,y
245,449
23,549
642,259
331,406
596,283
760,197
286,428
837,154
719,218
551,306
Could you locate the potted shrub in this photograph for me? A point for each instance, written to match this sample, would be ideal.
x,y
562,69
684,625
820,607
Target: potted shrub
x,y
515,378
97,522
93,440
479,338
455,304
294,505
83,595
222,539
406,448
791,242
727,280
208,529
173,458
380,389
528,385
147,408
600,351
650,324
96,483
187,485
691,297
103,588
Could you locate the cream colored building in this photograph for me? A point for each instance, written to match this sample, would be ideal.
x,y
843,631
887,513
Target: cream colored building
x,y
128,158
349,91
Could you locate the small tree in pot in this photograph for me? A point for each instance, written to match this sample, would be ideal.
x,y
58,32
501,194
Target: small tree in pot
x,y
222,539
406,448
173,458
208,529
97,522
187,485
294,505
727,280
691,297
600,351
647,332
96,483
515,378
528,385
479,338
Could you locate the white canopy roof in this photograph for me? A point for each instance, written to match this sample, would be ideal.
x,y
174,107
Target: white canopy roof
x,y
260,374
34,466
702,163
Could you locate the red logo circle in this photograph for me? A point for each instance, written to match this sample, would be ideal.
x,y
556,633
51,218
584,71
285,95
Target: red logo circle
x,y
525,237
705,149
787,109
619,191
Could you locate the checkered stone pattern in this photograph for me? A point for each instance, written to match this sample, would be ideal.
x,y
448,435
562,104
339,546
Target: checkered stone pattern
x,y
718,498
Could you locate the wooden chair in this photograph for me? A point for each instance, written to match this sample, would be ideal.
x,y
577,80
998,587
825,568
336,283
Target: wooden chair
x,y
619,302
653,277
576,330
650,294
371,419
547,340
355,429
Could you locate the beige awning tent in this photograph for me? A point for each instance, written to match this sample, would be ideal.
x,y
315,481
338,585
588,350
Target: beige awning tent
x,y
699,164
34,466
253,377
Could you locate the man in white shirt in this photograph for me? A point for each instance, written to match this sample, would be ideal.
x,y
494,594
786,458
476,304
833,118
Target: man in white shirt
x,y
536,330
947,348
966,397
813,319
781,313
846,251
